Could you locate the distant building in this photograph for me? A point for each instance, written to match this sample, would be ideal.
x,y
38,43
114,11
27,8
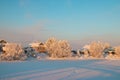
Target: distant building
x,y
30,52
80,52
74,53
39,47
84,52
109,51
2,44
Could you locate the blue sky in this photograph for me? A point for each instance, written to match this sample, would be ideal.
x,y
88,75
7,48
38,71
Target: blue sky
x,y
78,21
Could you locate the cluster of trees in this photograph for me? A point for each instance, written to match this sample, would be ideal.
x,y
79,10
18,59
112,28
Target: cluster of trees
x,y
55,49
52,47
101,49
12,51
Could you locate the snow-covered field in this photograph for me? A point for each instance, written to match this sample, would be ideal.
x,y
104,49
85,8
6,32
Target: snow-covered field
x,y
61,70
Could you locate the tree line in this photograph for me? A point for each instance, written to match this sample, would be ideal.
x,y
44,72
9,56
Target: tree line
x,y
54,48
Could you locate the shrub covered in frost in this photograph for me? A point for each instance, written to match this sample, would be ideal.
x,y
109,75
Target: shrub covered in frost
x,y
96,48
12,51
58,48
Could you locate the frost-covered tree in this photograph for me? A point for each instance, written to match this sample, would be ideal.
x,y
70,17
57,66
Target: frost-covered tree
x,y
96,48
12,51
50,44
58,48
64,48
117,50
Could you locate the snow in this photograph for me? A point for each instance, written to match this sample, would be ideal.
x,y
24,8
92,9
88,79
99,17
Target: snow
x,y
94,69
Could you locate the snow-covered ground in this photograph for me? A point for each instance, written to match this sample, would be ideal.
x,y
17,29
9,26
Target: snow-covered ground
x,y
61,70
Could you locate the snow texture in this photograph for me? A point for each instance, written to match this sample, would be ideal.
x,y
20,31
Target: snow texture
x,y
99,69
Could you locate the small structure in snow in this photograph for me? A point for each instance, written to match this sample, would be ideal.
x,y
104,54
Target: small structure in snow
x,y
84,52
39,47
74,53
81,53
2,44
109,51
30,52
